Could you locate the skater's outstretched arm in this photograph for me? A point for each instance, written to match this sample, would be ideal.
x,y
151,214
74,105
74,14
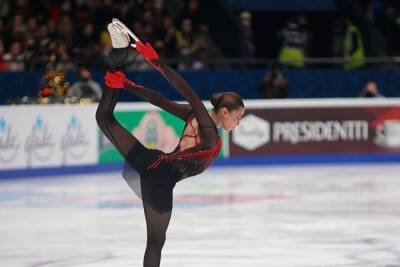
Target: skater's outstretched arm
x,y
118,80
180,85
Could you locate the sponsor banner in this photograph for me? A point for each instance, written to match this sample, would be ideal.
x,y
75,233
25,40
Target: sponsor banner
x,y
154,128
317,130
47,136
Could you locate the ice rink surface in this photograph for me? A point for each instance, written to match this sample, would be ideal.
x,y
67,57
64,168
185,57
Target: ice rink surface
x,y
270,216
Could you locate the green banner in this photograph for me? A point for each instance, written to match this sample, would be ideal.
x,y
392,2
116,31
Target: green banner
x,y
154,129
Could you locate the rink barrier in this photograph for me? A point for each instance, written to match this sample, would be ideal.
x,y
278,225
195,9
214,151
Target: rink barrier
x,y
233,162
64,139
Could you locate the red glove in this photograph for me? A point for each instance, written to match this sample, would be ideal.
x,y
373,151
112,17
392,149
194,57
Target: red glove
x,y
118,80
115,80
151,56
147,51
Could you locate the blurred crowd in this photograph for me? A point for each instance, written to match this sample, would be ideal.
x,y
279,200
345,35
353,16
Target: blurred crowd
x,y
69,34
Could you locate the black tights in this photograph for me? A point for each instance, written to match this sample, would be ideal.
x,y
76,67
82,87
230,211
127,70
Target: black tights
x,y
157,224
156,221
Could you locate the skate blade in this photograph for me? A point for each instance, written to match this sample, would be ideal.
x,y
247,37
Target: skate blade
x,y
121,28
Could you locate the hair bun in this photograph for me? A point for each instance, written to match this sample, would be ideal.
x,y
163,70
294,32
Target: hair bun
x,y
229,100
216,99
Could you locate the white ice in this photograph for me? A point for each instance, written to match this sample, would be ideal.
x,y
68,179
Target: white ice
x,y
308,216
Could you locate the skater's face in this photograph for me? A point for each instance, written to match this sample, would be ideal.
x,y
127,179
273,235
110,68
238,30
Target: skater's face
x,y
230,119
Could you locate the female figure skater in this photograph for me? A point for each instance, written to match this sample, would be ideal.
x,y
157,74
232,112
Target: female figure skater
x,y
158,171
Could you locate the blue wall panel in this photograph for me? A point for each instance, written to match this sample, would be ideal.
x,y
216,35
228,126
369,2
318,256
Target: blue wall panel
x,y
309,83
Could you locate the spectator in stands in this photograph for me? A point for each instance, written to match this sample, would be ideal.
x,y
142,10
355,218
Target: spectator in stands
x,y
370,90
3,65
187,43
17,27
353,47
36,28
169,37
274,84
30,54
63,60
205,48
53,31
42,36
15,58
247,26
85,87
87,37
88,48
4,9
66,29
294,42
159,13
31,25
191,10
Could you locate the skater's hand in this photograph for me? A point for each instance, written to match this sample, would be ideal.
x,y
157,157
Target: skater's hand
x,y
118,80
115,79
147,51
151,56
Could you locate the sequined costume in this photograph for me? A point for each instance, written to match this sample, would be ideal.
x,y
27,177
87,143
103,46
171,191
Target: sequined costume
x,y
152,172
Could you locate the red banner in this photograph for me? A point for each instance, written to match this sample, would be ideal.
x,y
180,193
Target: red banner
x,y
319,130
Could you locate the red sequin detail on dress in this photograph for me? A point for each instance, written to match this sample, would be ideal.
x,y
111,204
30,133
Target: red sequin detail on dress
x,y
204,157
208,155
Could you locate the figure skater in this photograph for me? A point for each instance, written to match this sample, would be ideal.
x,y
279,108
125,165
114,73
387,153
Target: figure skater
x,y
158,171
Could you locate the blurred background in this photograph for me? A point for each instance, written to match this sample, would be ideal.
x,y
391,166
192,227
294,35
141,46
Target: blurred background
x,y
260,49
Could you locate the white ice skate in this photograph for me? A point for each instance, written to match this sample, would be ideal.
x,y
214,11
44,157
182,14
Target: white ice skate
x,y
119,27
122,40
118,39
